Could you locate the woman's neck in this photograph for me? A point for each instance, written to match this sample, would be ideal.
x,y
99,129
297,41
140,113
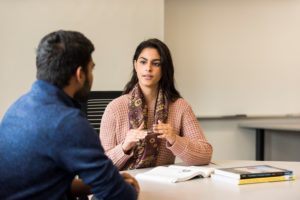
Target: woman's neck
x,y
150,95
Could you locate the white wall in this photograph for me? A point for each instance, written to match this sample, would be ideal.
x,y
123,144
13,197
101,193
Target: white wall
x,y
236,56
115,27
232,57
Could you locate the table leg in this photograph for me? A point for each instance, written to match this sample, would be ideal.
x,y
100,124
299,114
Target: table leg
x,y
260,144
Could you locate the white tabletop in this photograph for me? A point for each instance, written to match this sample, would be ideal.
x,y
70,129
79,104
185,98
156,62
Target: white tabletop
x,y
207,189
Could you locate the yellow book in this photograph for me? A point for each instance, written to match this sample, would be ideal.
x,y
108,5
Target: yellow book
x,y
218,177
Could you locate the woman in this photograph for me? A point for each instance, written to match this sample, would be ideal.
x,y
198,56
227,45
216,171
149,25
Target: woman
x,y
150,124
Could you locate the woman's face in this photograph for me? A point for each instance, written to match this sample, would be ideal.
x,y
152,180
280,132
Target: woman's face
x,y
148,68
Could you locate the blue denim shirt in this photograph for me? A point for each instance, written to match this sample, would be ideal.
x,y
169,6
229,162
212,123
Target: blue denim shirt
x,y
45,141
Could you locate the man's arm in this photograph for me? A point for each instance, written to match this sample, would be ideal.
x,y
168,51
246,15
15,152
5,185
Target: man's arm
x,y
79,151
79,189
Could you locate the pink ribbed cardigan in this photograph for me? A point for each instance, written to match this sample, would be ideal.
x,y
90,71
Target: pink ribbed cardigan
x,y
190,145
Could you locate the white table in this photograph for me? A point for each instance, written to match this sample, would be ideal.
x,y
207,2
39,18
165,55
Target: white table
x,y
207,189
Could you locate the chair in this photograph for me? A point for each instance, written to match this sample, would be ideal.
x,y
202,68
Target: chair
x,y
96,104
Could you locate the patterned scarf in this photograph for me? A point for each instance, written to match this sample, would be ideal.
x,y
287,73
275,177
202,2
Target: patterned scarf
x,y
146,151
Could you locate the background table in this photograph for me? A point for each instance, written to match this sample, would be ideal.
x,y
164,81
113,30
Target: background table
x,y
260,129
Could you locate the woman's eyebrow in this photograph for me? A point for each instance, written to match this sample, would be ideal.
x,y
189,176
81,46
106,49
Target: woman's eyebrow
x,y
158,59
154,60
143,58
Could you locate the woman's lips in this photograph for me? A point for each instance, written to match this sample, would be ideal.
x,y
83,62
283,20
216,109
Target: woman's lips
x,y
148,77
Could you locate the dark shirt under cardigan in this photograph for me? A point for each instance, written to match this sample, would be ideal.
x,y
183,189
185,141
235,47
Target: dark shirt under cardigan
x,y
45,141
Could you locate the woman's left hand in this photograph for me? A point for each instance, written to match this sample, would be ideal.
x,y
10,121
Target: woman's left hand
x,y
165,131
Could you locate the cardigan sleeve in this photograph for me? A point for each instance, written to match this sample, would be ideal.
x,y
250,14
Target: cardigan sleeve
x,y
191,145
108,137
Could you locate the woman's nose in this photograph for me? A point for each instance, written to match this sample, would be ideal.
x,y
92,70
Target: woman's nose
x,y
148,67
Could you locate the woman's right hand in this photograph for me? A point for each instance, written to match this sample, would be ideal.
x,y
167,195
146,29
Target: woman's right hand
x,y
132,137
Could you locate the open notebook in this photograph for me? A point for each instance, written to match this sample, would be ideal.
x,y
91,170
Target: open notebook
x,y
175,173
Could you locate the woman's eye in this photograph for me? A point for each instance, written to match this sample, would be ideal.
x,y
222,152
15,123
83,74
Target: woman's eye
x,y
156,64
143,62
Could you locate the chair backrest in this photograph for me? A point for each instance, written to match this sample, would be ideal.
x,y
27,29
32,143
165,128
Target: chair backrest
x,y
96,104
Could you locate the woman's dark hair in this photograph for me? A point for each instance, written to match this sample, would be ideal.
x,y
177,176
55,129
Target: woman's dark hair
x,y
166,82
59,54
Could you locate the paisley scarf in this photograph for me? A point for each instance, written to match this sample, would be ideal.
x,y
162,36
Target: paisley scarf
x,y
146,151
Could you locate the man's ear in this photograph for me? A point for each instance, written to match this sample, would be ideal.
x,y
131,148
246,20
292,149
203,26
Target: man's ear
x,y
80,75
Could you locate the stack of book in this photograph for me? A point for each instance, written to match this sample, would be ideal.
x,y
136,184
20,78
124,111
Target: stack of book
x,y
252,174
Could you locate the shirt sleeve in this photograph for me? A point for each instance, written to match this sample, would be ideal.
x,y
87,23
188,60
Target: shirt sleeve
x,y
108,137
79,151
190,145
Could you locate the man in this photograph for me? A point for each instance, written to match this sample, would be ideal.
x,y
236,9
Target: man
x,y
44,139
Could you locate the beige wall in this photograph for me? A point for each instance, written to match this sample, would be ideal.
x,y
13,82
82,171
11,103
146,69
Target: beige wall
x,y
236,56
233,57
117,26
114,26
